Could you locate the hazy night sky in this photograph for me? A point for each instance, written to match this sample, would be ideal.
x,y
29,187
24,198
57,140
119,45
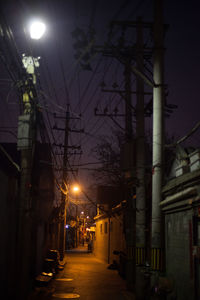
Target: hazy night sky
x,y
182,62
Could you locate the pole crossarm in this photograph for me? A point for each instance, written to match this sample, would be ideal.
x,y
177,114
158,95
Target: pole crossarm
x,y
137,72
69,129
123,91
143,76
68,147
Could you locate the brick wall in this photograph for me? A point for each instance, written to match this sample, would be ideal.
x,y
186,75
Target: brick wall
x,y
178,252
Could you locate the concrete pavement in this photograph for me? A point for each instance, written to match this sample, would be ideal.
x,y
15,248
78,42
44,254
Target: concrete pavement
x,y
86,278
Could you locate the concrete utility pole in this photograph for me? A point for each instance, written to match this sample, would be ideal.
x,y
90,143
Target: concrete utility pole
x,y
26,143
158,102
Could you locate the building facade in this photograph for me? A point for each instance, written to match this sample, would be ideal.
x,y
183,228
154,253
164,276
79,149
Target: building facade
x,y
42,196
181,208
109,234
9,189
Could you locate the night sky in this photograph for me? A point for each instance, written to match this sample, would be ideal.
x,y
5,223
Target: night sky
x,y
83,90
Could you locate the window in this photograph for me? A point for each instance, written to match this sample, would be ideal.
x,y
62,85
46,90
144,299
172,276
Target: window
x,y
105,227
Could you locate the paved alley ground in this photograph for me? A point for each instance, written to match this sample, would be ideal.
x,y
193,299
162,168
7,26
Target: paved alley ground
x,y
85,278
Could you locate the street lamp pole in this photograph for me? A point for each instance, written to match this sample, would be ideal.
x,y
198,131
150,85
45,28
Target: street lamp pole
x,y
76,223
64,197
76,190
26,144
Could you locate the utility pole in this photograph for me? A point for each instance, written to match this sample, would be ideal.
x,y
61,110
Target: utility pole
x,y
64,199
140,147
125,56
128,110
26,144
131,209
65,183
158,103
136,220
140,166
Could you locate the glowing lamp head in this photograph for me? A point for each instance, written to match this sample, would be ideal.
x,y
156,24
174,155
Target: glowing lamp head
x,y
37,30
76,189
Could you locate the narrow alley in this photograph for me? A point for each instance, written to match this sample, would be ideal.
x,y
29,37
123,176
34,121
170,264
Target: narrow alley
x,y
99,150
83,277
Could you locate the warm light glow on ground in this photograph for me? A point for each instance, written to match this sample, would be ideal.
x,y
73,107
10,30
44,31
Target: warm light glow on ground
x,y
66,295
64,279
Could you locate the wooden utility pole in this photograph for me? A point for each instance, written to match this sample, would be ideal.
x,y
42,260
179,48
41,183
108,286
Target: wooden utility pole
x,y
158,103
140,167
140,147
65,181
126,59
128,102
130,224
126,56
64,197
136,212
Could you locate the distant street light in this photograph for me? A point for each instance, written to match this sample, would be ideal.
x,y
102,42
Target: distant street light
x,y
76,188
37,30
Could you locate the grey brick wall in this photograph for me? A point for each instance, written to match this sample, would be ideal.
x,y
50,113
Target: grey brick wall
x,y
178,253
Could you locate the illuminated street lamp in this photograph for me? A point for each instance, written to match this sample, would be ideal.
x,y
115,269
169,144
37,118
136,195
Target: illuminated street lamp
x,y
76,188
37,29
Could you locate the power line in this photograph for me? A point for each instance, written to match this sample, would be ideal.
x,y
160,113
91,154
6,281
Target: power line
x,y
181,140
